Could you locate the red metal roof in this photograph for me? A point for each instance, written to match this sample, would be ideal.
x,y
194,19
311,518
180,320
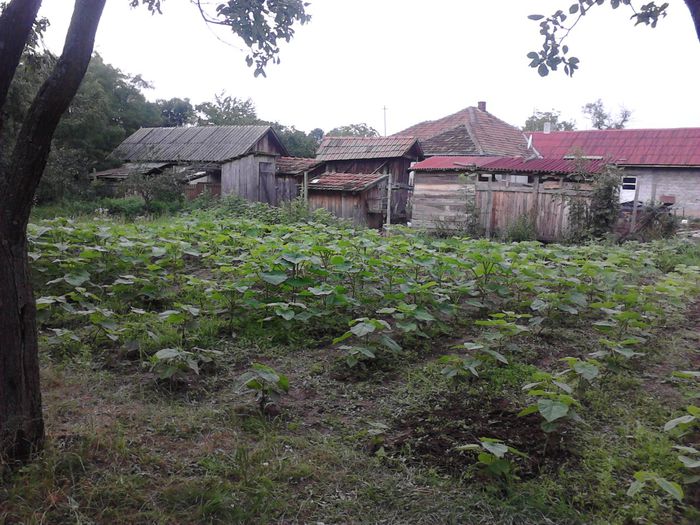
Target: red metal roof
x,y
483,134
560,166
345,181
626,147
452,163
354,148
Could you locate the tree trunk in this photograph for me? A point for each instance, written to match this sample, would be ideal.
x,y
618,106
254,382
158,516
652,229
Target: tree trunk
x,y
21,424
694,6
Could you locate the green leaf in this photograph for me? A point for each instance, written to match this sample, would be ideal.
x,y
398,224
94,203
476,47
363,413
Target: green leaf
x,y
363,328
497,449
77,279
551,409
274,278
496,355
689,462
674,489
679,421
634,488
588,371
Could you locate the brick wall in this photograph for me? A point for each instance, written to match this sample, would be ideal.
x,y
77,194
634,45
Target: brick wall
x,y
683,184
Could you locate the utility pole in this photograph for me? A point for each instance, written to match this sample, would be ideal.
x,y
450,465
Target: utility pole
x,y
385,108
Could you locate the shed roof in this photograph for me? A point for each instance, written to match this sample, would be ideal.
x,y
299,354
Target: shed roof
x,y
626,147
192,144
470,131
355,148
352,182
452,163
123,171
295,165
537,165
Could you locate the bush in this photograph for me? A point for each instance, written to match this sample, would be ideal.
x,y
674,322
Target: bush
x,y
521,230
129,207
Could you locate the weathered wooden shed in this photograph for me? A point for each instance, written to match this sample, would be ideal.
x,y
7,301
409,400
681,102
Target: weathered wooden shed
x,y
358,197
242,158
392,156
291,173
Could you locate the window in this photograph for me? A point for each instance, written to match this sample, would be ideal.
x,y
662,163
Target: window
x,y
629,183
485,177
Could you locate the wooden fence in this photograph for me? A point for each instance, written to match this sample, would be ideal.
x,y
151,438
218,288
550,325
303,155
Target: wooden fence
x,y
544,205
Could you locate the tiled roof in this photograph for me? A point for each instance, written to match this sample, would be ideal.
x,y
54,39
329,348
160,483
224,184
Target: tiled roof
x,y
345,181
486,135
352,148
555,166
626,147
295,165
452,163
191,144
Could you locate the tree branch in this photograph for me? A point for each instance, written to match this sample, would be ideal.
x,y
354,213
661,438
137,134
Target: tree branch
x,y
33,143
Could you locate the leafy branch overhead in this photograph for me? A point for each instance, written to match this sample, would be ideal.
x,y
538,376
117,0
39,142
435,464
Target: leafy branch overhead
x,y
557,27
261,24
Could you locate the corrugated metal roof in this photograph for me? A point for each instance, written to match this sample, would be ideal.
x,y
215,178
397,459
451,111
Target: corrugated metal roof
x,y
469,131
191,144
345,181
122,172
554,166
626,147
452,163
295,165
355,148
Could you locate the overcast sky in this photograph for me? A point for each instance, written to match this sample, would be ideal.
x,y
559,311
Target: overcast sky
x,y
422,59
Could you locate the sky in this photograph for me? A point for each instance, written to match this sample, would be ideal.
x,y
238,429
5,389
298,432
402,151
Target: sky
x,y
421,60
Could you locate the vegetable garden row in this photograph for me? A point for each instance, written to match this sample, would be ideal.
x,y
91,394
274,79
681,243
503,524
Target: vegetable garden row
x,y
167,293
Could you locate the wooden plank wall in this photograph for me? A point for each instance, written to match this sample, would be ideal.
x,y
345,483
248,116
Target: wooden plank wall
x,y
352,206
245,178
546,205
441,201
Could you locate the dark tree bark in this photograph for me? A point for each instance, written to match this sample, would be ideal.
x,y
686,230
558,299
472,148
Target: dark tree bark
x,y
694,6
21,422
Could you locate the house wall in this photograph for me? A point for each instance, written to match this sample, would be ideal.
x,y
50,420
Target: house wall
x,y
683,184
441,200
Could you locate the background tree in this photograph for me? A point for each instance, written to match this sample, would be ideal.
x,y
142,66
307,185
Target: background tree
x,y
537,120
317,134
557,27
260,23
353,130
601,118
176,112
226,111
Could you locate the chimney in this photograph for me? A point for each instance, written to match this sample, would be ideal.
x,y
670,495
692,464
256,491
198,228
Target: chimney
x,y
482,105
547,127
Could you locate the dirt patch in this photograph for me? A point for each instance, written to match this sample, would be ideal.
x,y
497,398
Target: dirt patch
x,y
430,436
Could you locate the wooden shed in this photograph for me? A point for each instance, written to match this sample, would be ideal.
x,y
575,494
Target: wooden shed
x,y
242,158
392,156
356,197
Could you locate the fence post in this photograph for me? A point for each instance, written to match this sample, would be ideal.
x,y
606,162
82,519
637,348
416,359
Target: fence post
x,y
489,208
634,208
535,201
305,189
388,200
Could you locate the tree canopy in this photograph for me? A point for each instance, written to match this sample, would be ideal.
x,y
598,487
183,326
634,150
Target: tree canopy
x,y
601,118
538,119
353,130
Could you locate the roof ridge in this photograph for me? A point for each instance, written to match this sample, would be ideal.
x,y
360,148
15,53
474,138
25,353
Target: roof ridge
x,y
472,135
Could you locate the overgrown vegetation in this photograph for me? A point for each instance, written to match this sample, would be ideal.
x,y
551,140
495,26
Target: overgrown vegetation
x,y
402,377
